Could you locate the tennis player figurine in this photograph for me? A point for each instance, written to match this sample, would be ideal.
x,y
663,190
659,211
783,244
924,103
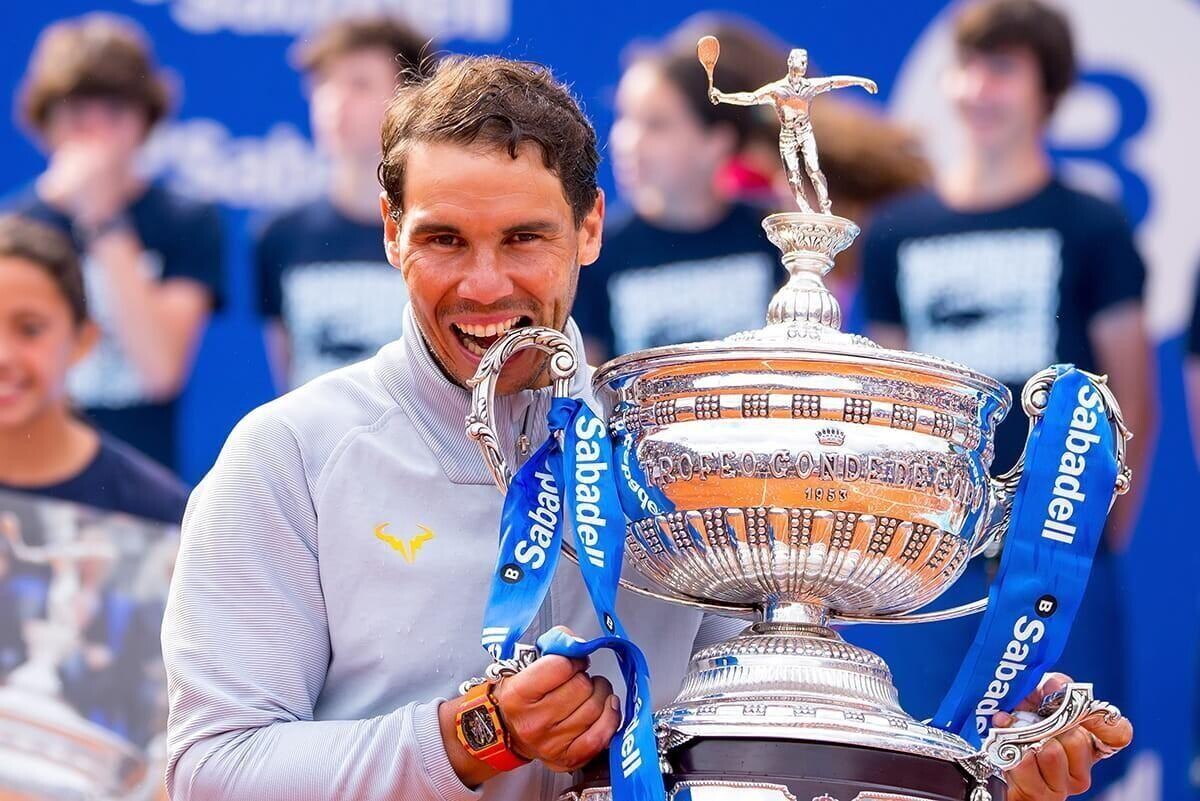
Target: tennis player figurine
x,y
791,96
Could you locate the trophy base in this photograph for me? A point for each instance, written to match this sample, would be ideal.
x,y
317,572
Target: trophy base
x,y
723,769
798,681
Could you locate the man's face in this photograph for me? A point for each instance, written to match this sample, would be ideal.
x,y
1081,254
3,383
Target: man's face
x,y
39,341
487,243
999,97
348,100
114,124
661,150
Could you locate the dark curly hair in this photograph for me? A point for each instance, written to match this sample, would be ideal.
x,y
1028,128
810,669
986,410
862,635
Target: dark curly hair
x,y
499,102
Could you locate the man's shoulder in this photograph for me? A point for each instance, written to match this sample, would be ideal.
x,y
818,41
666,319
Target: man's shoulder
x,y
294,220
312,421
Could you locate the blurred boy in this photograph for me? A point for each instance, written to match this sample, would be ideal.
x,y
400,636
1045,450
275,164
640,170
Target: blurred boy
x,y
328,294
91,96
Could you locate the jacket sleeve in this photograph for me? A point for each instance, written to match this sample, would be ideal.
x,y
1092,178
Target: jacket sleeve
x,y
246,644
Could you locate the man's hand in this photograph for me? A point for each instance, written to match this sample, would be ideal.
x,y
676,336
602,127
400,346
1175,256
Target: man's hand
x,y
554,712
1063,767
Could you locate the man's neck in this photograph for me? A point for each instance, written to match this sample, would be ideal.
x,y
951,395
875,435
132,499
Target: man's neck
x,y
354,190
991,181
52,448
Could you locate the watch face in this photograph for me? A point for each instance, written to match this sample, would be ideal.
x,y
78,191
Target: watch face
x,y
478,729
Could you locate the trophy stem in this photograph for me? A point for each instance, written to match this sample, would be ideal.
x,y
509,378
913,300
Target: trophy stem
x,y
802,614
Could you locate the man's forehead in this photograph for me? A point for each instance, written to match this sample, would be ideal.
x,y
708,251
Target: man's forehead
x,y
442,177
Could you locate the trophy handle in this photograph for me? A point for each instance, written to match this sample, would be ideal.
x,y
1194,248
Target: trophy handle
x,y
481,427
1075,705
481,423
1003,489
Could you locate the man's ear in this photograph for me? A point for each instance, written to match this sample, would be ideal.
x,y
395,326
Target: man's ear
x,y
391,229
591,231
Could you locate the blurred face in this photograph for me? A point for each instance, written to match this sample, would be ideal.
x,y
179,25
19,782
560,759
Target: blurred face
x,y
662,154
487,243
114,124
349,97
999,98
39,341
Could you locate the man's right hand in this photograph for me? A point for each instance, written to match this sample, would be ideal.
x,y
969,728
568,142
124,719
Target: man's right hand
x,y
554,712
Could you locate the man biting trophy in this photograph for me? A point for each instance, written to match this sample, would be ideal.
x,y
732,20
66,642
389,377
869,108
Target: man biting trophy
x,y
339,568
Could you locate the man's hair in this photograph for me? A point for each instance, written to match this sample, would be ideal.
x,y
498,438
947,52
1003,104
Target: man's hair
x,y
414,53
96,55
51,250
492,101
992,25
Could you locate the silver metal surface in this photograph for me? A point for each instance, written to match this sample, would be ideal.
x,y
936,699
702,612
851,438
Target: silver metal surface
x,y
1005,748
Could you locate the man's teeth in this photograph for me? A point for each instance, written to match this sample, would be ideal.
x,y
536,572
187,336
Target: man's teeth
x,y
470,345
490,330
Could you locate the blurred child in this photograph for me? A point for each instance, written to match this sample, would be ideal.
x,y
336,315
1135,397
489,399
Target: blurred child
x,y
45,449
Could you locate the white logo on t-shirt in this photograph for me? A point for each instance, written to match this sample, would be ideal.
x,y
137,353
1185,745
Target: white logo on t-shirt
x,y
689,301
987,299
338,313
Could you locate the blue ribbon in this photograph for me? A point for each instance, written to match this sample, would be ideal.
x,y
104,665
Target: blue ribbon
x,y
1058,516
575,480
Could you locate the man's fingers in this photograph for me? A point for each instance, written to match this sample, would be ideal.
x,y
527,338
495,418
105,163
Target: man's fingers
x,y
590,710
566,698
1115,735
1077,745
1052,766
1051,683
546,674
595,739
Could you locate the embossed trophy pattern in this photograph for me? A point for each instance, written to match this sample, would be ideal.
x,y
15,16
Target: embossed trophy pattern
x,y
800,476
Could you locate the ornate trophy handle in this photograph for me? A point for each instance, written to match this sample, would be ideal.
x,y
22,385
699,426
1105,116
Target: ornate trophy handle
x,y
1034,398
481,427
1073,706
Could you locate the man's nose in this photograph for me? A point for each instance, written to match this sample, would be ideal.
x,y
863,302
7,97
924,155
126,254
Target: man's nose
x,y
486,280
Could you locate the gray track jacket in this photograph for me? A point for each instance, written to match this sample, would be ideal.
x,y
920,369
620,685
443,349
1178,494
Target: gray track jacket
x,y
330,589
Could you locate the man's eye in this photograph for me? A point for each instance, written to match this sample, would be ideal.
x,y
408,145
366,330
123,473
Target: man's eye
x,y
445,240
526,236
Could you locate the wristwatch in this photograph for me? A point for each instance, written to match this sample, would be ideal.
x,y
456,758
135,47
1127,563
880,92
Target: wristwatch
x,y
481,730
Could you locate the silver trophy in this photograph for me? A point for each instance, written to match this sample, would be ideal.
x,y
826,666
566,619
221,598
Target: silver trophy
x,y
799,477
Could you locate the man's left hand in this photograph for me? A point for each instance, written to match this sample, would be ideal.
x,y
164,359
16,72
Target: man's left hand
x,y
1063,767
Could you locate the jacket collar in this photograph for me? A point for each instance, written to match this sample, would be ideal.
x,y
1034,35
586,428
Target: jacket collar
x,y
438,408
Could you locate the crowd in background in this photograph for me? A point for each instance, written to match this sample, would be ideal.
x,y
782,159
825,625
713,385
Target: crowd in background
x,y
108,278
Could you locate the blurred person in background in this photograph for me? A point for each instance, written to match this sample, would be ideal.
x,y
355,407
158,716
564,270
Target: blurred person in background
x,y
1002,267
327,292
688,263
90,97
45,330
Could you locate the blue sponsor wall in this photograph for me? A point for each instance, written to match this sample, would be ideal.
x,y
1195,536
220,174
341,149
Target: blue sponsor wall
x,y
242,105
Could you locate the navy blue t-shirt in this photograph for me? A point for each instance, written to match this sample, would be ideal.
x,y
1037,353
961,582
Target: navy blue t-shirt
x,y
181,239
119,479
1006,292
325,277
652,286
